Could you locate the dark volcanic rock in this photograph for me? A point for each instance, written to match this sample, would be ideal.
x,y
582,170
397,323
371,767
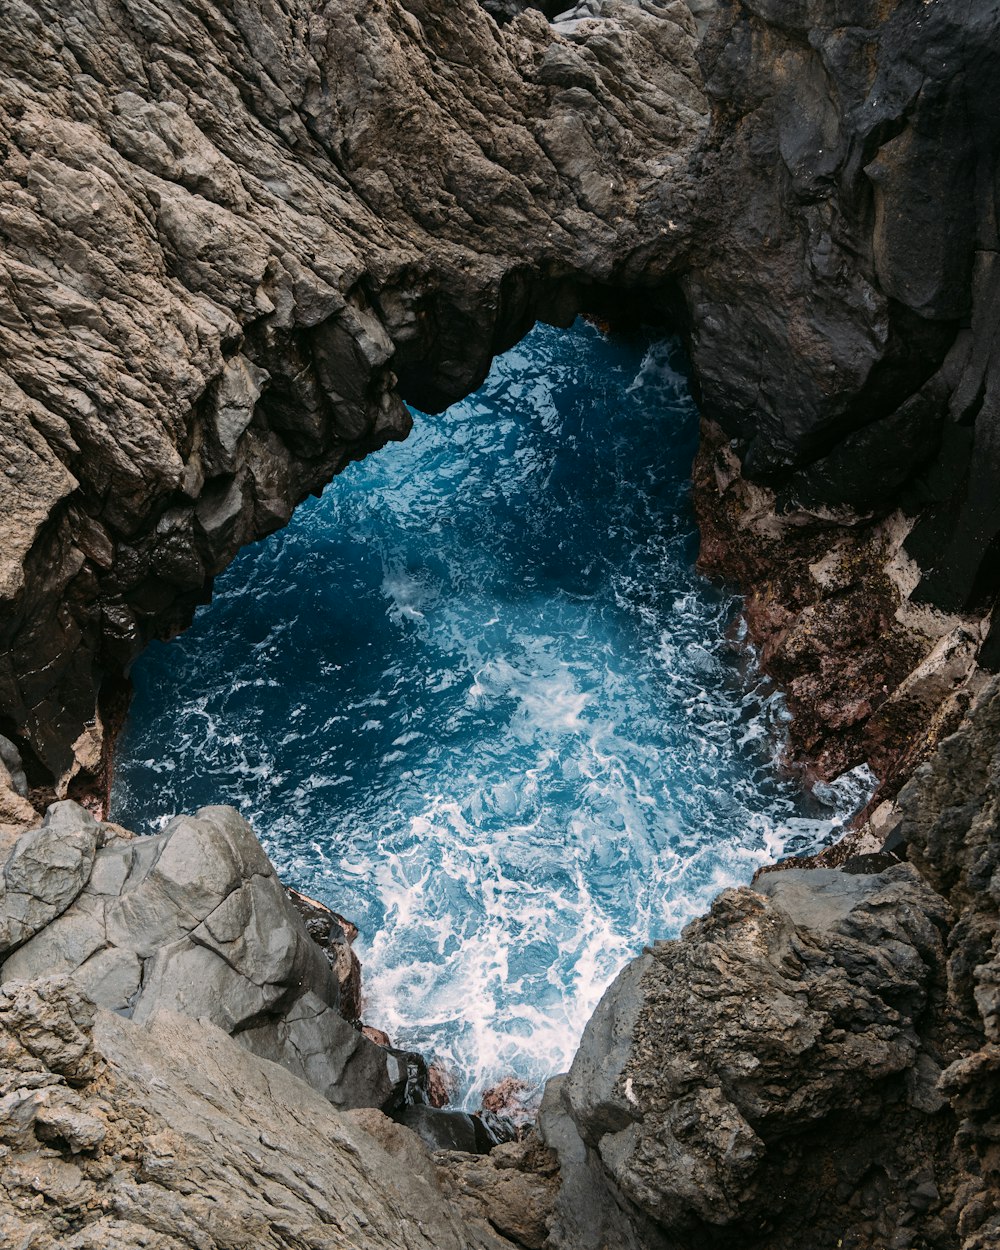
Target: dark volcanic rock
x,y
951,825
843,334
863,144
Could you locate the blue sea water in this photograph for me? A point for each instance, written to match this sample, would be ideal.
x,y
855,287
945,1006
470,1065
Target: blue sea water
x,y
477,698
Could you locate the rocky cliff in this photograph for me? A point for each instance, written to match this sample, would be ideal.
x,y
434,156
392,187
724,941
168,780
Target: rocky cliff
x,y
179,1065
845,352
234,239
814,1063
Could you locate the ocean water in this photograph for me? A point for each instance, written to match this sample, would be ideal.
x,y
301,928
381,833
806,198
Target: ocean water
x,y
477,698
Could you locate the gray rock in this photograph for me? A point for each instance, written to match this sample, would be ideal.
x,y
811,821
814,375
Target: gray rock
x,y
174,1137
195,921
818,899
10,757
588,1213
45,871
780,1040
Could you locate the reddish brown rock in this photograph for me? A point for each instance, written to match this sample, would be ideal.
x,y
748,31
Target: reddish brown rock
x,y
514,1099
441,1085
870,677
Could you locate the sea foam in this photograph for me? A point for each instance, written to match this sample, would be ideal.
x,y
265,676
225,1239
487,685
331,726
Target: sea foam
x,y
477,698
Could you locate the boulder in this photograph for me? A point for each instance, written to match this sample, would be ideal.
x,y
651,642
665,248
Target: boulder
x,y
783,1039
45,871
192,920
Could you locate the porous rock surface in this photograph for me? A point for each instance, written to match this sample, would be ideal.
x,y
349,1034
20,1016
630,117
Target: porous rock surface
x,y
192,920
167,1135
815,1061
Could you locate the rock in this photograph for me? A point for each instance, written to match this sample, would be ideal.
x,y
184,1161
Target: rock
x,y
514,1187
195,921
335,936
513,1099
441,1084
506,10
949,813
439,1129
284,275
448,1129
232,243
45,872
584,1213
175,1137
723,1074
870,675
10,757
843,339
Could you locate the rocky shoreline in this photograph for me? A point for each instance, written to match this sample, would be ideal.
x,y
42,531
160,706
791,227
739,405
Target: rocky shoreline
x,y
813,1061
231,246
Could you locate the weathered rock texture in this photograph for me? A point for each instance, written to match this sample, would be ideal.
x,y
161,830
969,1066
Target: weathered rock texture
x,y
192,921
233,236
843,333
870,675
169,1136
226,232
815,1061
230,242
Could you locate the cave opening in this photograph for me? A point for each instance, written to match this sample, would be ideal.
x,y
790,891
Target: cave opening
x,y
477,698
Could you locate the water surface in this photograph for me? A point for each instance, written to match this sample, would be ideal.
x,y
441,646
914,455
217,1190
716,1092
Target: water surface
x,y
477,699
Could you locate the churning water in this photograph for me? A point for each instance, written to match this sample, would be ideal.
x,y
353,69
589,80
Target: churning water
x,y
477,699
